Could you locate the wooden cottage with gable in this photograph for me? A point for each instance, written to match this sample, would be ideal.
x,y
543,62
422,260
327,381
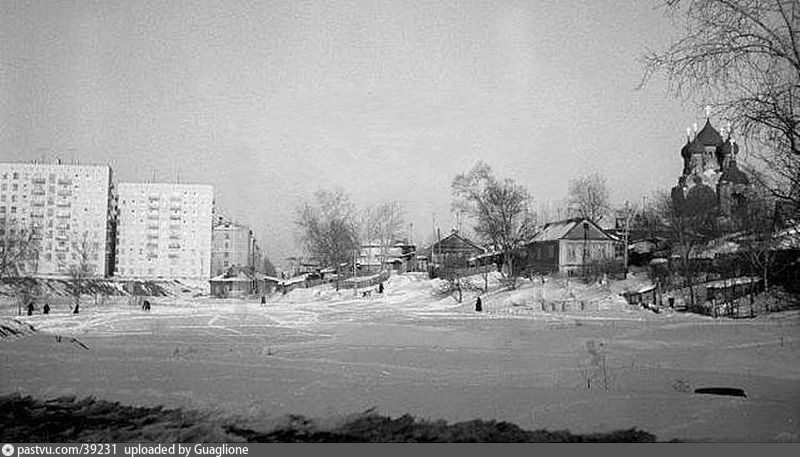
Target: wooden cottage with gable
x,y
454,251
570,246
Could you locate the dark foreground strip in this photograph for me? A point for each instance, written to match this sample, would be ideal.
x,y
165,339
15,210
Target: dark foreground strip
x,y
66,419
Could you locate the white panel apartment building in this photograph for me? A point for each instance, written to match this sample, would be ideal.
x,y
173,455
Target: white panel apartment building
x,y
164,230
64,205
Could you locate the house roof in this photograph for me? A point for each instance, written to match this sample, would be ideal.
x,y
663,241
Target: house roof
x,y
571,229
456,242
240,276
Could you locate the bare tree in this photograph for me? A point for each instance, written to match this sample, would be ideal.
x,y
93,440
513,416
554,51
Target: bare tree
x,y
745,55
646,219
267,267
758,240
327,227
383,223
589,196
500,209
19,249
690,224
82,266
552,211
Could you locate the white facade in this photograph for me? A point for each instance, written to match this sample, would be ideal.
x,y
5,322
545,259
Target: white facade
x,y
164,230
68,207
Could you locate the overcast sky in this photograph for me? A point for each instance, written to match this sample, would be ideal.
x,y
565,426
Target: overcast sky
x,y
269,101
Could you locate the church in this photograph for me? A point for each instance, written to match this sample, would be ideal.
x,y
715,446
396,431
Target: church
x,y
711,179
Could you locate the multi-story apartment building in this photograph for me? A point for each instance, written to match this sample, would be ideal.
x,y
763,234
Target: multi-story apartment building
x,y
164,230
70,210
232,245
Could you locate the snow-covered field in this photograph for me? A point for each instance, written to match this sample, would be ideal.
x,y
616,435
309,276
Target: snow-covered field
x,y
323,353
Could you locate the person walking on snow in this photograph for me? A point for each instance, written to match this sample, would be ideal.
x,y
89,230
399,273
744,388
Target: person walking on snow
x,y
478,304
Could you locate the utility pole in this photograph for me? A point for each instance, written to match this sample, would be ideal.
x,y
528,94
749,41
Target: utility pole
x,y
627,234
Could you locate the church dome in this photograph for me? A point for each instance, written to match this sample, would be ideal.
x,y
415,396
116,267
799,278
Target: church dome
x,y
695,147
728,148
709,136
685,151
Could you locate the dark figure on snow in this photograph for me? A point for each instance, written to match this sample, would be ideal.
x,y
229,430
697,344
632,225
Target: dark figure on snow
x,y
46,309
77,308
146,306
478,305
263,299
30,309
380,288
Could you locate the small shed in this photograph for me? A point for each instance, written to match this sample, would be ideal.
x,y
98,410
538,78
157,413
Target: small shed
x,y
237,282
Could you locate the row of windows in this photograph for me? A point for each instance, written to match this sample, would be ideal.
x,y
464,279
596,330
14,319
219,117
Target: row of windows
x,y
39,177
153,272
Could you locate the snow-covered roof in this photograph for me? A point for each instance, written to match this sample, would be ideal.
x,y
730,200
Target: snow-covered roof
x,y
240,277
559,230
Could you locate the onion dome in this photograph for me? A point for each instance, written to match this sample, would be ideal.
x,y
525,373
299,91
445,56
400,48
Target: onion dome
x,y
709,136
728,148
734,175
696,147
685,153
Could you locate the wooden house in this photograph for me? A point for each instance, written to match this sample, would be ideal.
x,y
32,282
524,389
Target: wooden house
x,y
570,246
454,251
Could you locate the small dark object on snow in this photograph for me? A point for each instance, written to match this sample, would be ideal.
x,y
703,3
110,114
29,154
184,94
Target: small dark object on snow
x,y
30,309
77,308
478,305
146,306
729,391
46,309
263,299
380,288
